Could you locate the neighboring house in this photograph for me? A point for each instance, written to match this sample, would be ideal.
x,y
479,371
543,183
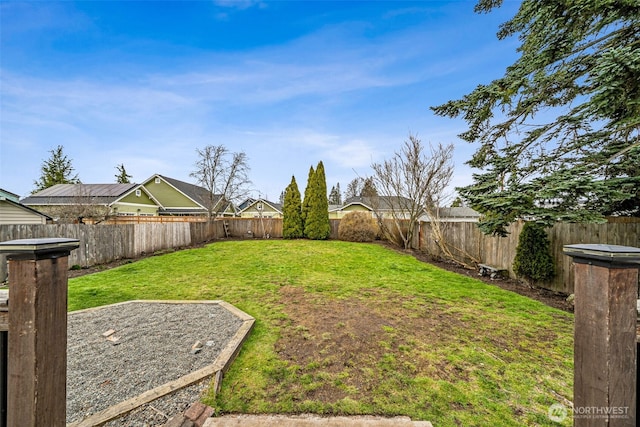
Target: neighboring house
x,y
385,205
77,201
458,214
158,195
353,204
14,212
175,197
260,208
245,203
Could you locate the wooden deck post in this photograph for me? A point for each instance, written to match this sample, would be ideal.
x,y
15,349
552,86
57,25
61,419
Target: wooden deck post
x,y
37,365
606,291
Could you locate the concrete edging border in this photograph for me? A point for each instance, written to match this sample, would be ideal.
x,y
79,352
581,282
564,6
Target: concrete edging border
x,y
218,368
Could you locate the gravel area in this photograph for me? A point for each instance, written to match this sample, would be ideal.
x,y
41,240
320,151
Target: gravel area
x,y
151,344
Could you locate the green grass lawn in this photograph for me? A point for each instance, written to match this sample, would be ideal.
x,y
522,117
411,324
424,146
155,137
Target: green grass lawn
x,y
344,328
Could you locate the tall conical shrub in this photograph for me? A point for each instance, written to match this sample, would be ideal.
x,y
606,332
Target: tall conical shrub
x,y
292,211
307,196
533,260
317,225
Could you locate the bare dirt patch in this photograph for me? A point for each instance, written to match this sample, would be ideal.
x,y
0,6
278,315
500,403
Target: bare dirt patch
x,y
359,341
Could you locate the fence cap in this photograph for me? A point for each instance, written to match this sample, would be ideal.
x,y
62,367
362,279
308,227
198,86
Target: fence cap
x,y
35,246
599,252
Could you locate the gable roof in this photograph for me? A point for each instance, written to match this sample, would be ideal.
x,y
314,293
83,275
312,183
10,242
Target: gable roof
x,y
382,202
65,194
276,206
199,195
245,203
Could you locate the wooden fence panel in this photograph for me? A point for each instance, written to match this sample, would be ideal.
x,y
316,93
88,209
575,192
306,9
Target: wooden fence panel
x,y
335,225
248,228
100,244
500,251
202,232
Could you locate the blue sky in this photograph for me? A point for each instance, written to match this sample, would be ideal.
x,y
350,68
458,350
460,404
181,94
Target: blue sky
x,y
290,83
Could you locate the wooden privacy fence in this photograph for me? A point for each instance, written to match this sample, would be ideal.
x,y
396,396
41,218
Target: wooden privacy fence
x,y
103,243
259,228
100,244
499,252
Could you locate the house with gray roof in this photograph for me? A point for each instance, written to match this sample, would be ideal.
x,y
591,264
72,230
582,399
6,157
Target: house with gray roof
x,y
260,208
399,207
384,205
157,196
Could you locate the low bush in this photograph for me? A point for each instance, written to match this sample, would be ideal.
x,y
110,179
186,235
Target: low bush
x,y
357,227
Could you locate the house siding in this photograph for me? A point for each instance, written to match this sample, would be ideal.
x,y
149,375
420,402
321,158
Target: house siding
x,y
339,214
132,199
11,214
166,195
268,211
135,205
129,209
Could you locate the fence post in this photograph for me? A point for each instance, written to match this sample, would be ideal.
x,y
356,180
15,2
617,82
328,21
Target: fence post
x,y
605,354
37,360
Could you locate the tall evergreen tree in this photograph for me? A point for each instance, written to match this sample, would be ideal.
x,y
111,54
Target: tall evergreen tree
x,y
307,196
335,198
292,211
368,188
317,225
56,170
122,177
579,66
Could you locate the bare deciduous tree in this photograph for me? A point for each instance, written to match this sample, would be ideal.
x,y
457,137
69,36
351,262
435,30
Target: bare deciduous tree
x,y
83,206
224,174
410,184
360,187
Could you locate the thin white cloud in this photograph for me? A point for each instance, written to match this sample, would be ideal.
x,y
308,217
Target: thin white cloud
x,y
270,101
353,154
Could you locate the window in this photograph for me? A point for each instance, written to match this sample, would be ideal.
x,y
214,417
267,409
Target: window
x,y
138,193
157,180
